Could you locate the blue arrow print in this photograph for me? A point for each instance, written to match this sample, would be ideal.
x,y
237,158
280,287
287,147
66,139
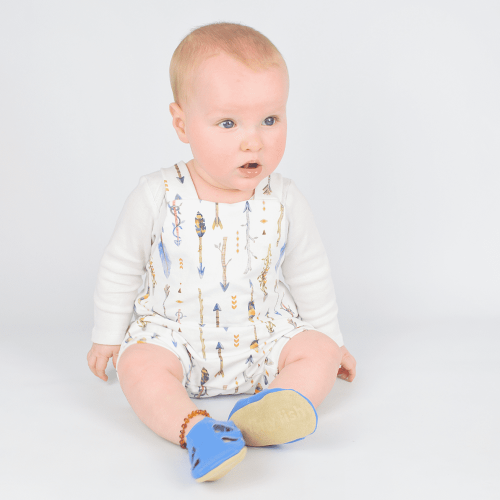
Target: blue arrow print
x,y
201,271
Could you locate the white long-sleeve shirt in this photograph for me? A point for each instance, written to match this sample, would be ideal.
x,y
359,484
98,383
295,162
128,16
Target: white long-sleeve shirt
x,y
305,268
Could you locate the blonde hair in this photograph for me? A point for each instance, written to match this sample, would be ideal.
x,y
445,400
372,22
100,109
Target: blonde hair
x,y
241,42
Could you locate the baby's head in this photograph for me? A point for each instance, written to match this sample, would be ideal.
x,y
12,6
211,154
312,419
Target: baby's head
x,y
230,86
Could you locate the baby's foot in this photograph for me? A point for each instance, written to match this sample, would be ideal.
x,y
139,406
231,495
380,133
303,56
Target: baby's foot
x,y
214,448
274,416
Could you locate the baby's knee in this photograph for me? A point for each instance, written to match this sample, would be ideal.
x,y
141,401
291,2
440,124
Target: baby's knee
x,y
142,360
324,348
313,345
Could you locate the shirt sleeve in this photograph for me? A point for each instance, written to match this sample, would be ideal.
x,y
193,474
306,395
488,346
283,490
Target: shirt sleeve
x,y
123,265
306,269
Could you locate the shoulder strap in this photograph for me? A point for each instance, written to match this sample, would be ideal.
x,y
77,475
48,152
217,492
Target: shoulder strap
x,y
272,187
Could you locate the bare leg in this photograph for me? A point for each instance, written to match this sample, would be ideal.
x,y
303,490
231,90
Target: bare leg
x,y
151,379
308,363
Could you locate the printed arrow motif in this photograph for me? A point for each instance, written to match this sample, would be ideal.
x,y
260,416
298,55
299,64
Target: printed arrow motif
x,y
234,301
217,221
200,230
175,209
236,341
217,309
180,177
224,283
267,187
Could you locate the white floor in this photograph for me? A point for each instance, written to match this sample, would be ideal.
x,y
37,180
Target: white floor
x,y
421,420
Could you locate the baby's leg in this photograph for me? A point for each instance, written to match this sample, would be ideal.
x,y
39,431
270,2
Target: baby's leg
x,y
151,379
308,363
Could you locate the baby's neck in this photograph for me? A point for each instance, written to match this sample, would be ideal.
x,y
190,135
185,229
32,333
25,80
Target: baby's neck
x,y
207,192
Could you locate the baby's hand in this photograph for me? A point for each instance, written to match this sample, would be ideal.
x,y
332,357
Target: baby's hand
x,y
347,370
98,357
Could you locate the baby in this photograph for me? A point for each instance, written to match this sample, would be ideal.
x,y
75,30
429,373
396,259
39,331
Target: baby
x,y
211,237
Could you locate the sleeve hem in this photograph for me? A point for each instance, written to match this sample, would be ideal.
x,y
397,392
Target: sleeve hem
x,y
107,338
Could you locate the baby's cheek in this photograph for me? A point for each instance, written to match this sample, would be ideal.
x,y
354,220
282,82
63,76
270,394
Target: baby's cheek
x,y
278,150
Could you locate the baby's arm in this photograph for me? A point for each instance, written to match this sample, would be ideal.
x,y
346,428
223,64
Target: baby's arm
x,y
121,273
122,267
306,270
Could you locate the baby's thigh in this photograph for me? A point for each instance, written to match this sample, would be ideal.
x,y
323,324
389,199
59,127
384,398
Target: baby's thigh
x,y
142,358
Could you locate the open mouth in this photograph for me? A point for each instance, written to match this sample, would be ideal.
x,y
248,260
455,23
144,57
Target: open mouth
x,y
250,165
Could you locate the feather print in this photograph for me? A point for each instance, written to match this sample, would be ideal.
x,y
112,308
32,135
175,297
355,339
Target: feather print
x,y
282,251
165,260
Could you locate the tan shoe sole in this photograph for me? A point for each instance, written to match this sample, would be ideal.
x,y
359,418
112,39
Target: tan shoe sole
x,y
277,418
223,468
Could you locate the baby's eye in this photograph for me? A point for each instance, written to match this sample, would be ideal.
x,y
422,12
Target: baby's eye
x,y
226,121
274,118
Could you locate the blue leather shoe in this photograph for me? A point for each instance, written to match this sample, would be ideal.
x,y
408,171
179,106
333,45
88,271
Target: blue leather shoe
x,y
214,448
274,416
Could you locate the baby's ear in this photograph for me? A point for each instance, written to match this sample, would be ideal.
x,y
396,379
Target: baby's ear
x,y
174,109
178,121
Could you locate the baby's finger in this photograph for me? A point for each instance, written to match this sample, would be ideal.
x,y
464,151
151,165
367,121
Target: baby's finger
x,y
342,373
91,360
348,368
352,374
351,369
101,364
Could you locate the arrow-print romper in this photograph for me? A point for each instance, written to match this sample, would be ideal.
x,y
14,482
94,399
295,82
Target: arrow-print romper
x,y
213,294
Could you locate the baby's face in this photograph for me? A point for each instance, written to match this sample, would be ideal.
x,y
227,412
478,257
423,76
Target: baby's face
x,y
236,116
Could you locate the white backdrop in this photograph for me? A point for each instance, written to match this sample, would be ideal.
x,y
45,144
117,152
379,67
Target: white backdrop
x,y
394,107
